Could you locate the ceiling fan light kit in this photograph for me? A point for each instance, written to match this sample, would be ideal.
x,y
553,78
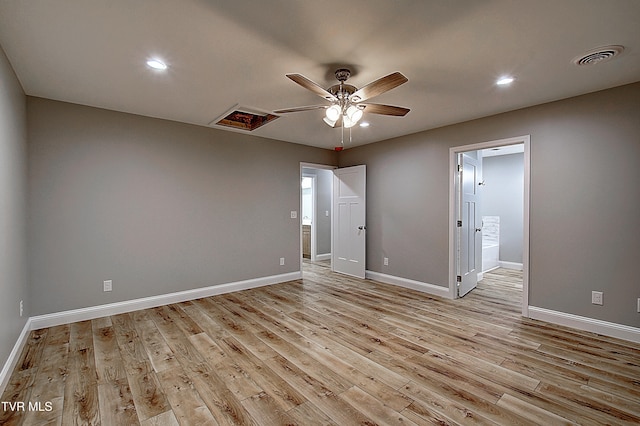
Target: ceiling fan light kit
x,y
354,114
333,113
346,100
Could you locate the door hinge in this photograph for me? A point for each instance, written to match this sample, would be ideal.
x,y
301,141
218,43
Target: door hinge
x,y
459,278
459,167
459,224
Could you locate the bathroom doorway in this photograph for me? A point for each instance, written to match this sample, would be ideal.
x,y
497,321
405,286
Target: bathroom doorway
x,y
502,185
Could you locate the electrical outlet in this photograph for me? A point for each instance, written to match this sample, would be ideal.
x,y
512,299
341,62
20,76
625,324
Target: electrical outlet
x,y
107,285
282,261
597,297
385,261
22,307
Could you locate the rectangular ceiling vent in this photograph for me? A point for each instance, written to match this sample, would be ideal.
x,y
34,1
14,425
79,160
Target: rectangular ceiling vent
x,y
243,119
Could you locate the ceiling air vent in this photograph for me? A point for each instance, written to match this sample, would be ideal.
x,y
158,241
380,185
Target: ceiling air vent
x,y
599,54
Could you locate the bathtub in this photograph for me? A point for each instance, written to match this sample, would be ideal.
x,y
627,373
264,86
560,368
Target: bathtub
x,y
490,256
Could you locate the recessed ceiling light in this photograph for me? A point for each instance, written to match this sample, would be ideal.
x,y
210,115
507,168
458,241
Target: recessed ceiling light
x,y
504,81
156,64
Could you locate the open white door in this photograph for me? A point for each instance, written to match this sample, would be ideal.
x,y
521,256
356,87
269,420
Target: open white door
x,y
469,222
349,229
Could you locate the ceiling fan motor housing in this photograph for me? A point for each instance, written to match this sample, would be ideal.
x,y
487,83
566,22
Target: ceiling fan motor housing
x,y
341,90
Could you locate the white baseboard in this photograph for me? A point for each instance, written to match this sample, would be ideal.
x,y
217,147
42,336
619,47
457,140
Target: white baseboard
x,y
323,256
83,314
9,366
510,265
593,325
435,290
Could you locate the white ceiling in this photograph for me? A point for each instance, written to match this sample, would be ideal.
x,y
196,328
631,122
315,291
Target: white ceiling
x,y
223,53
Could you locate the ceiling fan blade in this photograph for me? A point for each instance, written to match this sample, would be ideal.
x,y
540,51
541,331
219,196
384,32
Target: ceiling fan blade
x,y
385,109
378,87
310,85
302,108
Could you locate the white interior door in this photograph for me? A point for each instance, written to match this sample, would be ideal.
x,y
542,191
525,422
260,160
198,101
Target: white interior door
x,y
469,223
349,227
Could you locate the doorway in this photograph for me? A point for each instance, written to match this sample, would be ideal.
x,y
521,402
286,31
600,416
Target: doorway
x,y
489,224
316,183
309,194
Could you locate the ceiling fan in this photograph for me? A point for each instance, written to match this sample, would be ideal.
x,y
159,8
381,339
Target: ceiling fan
x,y
347,101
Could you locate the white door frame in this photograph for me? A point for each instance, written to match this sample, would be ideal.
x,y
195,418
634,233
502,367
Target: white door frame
x,y
311,166
453,152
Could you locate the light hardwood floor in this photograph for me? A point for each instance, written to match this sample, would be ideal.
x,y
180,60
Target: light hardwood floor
x,y
328,350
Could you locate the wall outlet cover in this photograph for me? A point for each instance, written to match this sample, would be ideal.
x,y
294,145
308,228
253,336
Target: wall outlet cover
x,y
597,297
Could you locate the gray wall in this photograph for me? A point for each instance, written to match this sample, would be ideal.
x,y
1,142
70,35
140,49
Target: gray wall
x,y
503,195
583,201
154,205
13,213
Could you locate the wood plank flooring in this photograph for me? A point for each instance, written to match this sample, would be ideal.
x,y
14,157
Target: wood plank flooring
x,y
327,350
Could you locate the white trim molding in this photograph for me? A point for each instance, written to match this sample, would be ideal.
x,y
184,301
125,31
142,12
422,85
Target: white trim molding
x,y
510,265
593,325
432,289
83,314
14,356
323,256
